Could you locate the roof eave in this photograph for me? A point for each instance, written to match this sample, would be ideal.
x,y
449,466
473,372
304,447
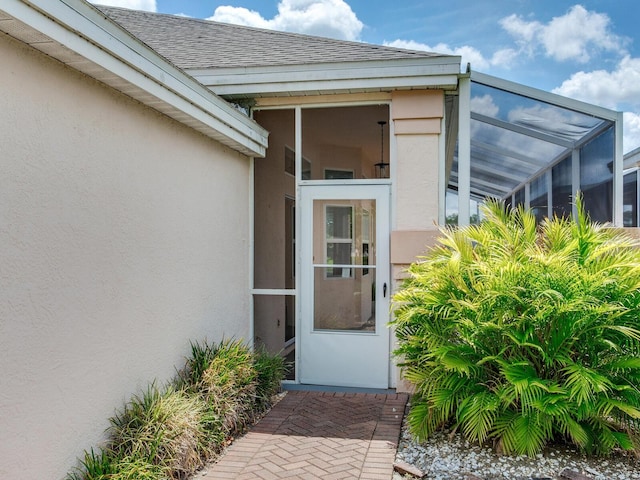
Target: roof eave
x,y
80,36
329,78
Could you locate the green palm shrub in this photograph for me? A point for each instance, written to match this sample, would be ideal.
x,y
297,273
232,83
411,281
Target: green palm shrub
x,y
525,334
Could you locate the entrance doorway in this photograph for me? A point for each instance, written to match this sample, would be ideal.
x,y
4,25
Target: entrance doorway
x,y
344,297
338,157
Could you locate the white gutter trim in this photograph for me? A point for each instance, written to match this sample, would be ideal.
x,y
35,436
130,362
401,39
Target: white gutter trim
x,y
334,86
436,72
84,30
441,65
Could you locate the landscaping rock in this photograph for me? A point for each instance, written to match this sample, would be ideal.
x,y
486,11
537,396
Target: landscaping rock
x,y
573,475
446,456
405,468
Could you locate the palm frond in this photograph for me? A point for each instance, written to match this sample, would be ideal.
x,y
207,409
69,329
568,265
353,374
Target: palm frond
x,y
537,323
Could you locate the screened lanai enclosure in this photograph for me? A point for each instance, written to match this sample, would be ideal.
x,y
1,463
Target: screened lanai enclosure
x,y
536,149
338,178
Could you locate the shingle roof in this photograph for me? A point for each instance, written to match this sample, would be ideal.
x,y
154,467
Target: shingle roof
x,y
199,44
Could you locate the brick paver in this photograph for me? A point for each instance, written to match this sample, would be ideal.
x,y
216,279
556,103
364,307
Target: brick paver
x,y
323,435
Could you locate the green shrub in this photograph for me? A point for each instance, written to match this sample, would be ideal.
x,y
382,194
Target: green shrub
x,y
225,377
524,334
270,369
95,466
163,428
169,433
107,466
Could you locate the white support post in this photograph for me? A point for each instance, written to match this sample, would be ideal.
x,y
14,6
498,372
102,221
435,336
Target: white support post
x,y
464,150
442,172
549,182
618,176
252,246
298,230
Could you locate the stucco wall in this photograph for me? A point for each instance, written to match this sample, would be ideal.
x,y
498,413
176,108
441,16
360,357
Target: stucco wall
x,y
417,119
123,236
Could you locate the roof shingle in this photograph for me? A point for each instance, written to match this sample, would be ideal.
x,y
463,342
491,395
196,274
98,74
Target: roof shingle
x,y
200,44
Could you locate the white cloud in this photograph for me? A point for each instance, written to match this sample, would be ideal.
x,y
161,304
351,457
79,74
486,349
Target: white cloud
x,y
328,18
240,16
502,58
148,5
631,131
606,88
468,54
485,105
618,89
577,35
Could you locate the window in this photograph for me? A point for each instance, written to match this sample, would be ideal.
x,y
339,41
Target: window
x,y
518,198
561,188
290,164
338,174
366,234
630,209
539,198
339,240
596,176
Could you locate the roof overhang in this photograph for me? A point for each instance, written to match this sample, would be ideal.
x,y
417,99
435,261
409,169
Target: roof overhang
x,y
80,36
439,72
632,158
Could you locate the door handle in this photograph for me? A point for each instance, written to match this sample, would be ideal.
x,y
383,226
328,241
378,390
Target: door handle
x,y
384,290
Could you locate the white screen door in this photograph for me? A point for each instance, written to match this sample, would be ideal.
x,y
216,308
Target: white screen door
x,y
344,338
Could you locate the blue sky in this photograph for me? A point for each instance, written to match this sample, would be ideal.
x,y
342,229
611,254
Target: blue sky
x,y
589,50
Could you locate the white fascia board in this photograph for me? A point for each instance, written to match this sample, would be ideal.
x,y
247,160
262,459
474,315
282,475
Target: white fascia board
x,y
333,86
83,29
631,159
543,96
434,72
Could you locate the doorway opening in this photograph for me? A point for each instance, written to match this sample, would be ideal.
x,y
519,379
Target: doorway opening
x,y
335,145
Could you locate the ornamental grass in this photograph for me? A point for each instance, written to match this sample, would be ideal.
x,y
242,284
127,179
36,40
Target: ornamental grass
x,y
170,432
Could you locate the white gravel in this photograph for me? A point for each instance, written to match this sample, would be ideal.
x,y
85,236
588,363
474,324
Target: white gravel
x,y
449,457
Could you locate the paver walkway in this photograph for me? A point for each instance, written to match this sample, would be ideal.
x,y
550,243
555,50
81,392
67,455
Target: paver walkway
x,y
324,435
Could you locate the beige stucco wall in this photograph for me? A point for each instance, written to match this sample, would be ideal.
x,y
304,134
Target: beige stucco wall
x,y
417,119
123,236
